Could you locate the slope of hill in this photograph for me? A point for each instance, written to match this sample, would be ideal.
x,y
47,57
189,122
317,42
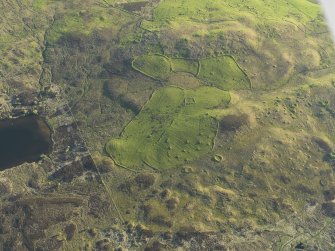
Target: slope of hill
x,y
198,125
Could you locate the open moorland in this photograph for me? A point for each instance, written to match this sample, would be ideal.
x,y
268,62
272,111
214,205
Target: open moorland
x,y
190,125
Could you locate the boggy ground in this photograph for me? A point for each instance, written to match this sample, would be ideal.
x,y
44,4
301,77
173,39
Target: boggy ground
x,y
263,178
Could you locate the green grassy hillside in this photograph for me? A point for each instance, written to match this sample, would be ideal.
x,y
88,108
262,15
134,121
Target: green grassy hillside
x,y
222,72
210,122
176,126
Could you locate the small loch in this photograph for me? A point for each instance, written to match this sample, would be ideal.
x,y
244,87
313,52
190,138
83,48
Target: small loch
x,y
22,140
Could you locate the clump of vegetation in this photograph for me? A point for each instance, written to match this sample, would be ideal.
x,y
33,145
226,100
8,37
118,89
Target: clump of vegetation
x,y
172,203
233,122
330,157
329,209
182,48
70,231
134,6
5,187
144,180
176,126
324,144
329,195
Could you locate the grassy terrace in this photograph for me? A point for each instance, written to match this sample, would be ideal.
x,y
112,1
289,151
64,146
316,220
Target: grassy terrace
x,y
174,127
155,66
185,65
224,73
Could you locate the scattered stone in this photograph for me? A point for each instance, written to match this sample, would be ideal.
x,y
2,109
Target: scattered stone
x,y
28,98
329,195
33,182
98,206
53,243
165,194
286,180
300,246
167,236
143,232
75,169
91,232
103,245
156,246
5,187
167,184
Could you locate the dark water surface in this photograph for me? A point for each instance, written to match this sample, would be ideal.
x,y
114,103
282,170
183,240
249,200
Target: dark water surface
x,y
22,140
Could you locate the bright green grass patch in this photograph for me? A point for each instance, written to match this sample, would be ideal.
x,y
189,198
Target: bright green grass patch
x,y
150,26
224,73
155,66
176,126
76,22
185,65
301,11
41,4
86,21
